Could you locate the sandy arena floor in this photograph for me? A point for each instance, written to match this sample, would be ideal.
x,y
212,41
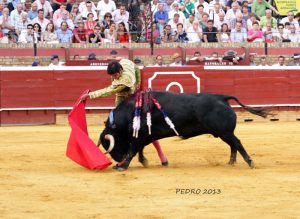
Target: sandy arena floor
x,y
39,181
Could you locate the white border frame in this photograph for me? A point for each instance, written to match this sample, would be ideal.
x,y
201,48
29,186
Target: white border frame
x,y
175,73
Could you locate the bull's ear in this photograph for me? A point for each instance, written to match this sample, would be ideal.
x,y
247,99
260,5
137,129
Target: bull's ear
x,y
104,122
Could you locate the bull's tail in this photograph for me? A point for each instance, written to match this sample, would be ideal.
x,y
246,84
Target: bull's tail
x,y
256,111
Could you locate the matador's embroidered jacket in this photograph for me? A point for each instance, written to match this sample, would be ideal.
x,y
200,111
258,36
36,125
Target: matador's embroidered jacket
x,y
124,86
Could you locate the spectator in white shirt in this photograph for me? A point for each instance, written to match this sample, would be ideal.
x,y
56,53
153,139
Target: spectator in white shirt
x,y
189,22
290,18
175,10
238,34
105,6
280,35
263,61
15,14
281,60
22,23
26,36
46,6
199,12
55,62
293,36
269,33
252,19
173,22
64,18
82,6
220,20
231,13
177,60
89,9
204,3
121,15
58,13
194,33
41,20
5,21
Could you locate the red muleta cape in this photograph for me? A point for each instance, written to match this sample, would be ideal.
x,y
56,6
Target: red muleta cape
x,y
81,148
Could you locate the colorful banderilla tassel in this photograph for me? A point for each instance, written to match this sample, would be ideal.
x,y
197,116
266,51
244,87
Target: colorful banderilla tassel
x,y
167,119
137,115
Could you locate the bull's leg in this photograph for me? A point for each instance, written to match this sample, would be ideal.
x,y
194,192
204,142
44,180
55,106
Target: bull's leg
x,y
142,159
236,145
162,157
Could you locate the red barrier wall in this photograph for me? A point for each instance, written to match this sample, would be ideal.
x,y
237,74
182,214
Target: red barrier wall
x,y
36,95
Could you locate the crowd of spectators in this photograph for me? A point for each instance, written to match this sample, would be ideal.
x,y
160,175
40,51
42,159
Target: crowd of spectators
x,y
108,21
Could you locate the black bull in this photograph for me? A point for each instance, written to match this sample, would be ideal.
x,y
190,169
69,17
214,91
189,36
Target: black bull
x,y
192,115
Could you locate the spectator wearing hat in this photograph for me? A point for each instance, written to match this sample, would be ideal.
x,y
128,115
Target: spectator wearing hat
x,y
175,10
36,63
138,61
55,62
114,54
92,56
296,61
177,60
231,56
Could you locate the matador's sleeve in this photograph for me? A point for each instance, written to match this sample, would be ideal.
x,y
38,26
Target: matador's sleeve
x,y
106,91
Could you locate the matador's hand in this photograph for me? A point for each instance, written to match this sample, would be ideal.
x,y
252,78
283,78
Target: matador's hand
x,y
84,97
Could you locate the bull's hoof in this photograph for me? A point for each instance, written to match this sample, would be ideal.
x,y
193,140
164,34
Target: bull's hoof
x,y
166,163
144,162
231,162
251,164
119,168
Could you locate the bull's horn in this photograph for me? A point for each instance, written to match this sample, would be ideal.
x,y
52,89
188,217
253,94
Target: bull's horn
x,y
111,140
